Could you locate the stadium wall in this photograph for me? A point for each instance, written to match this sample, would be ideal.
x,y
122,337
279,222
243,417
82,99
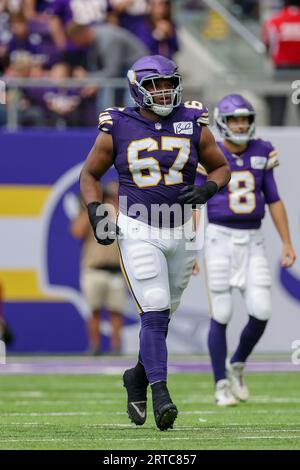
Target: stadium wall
x,y
39,259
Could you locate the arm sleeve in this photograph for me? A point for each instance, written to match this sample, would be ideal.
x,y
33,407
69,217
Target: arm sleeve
x,y
269,187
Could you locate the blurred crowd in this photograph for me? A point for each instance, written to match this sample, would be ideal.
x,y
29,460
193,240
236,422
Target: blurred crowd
x,y
63,39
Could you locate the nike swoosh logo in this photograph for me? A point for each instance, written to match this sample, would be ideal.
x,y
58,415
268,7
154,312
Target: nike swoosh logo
x,y
142,414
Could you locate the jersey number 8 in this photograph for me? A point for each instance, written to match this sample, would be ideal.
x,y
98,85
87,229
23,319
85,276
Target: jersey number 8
x,y
242,198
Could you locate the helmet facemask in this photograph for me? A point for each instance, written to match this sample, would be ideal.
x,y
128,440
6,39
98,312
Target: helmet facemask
x,y
171,97
228,134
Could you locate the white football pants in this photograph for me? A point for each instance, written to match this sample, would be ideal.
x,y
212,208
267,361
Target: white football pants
x,y
236,258
156,262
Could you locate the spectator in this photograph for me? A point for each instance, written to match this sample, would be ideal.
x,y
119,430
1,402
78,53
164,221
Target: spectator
x,y
111,50
281,34
32,37
84,12
62,104
101,279
22,65
159,31
131,14
38,9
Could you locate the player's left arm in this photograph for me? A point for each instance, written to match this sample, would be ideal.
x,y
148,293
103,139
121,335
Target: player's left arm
x,y
216,166
277,211
213,160
280,220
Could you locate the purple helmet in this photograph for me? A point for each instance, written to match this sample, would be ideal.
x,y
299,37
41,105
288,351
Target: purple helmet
x,y
149,69
234,105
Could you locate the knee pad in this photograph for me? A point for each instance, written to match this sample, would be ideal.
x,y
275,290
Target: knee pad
x,y
221,306
259,289
157,297
259,303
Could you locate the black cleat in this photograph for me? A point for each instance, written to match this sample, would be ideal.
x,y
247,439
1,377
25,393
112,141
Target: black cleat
x,y
165,412
136,386
165,416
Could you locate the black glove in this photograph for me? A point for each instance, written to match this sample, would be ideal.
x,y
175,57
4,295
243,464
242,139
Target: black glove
x,y
193,194
105,231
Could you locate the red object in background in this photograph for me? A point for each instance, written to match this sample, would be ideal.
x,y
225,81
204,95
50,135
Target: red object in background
x,y
281,33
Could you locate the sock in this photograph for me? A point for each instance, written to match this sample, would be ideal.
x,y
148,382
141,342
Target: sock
x,y
217,349
250,336
160,395
153,346
140,374
140,370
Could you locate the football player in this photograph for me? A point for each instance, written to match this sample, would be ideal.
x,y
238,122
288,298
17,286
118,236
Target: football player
x,y
156,147
234,248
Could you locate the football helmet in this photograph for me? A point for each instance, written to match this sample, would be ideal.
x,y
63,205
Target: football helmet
x,y
150,69
234,106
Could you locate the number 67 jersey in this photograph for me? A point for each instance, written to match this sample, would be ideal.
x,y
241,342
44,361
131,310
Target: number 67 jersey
x,y
154,160
241,205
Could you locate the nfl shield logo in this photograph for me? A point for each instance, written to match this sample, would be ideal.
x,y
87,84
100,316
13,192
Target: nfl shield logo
x,y
158,126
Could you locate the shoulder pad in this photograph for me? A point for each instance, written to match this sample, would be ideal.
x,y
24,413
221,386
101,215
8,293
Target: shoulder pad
x,y
200,112
108,118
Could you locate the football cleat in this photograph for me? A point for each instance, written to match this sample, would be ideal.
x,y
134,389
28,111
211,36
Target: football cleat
x,y
165,412
235,373
136,397
223,394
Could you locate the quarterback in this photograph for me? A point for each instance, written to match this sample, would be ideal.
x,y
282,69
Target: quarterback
x,y
234,247
155,147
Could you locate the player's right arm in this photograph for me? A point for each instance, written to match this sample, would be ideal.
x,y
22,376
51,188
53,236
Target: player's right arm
x,y
97,163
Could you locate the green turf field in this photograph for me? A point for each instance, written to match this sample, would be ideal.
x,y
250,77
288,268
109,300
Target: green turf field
x,y
88,412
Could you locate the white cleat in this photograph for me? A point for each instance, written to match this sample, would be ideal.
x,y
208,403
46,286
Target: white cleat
x,y
235,373
223,394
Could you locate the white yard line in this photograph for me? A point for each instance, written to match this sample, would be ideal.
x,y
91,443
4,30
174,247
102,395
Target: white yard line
x,y
155,439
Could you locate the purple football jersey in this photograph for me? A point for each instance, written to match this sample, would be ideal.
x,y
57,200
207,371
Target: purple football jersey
x,y
165,47
154,160
81,11
241,204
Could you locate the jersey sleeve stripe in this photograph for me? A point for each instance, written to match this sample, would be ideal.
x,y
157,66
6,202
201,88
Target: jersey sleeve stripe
x,y
201,170
272,154
272,163
103,118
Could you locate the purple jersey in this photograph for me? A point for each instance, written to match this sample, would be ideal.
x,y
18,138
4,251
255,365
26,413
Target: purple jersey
x,y
81,11
165,47
154,160
242,203
44,6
